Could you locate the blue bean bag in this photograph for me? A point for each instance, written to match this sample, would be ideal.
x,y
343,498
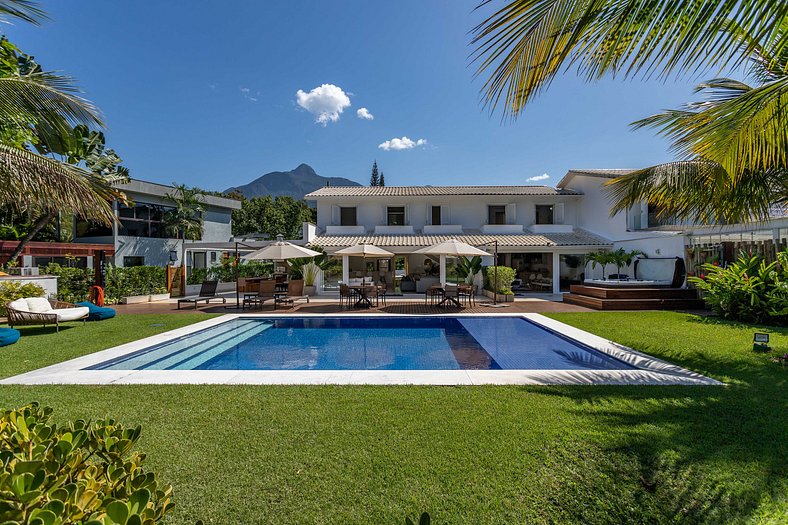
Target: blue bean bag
x,y
97,313
8,336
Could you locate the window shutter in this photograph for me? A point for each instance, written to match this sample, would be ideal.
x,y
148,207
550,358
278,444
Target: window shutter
x,y
429,214
558,213
511,213
407,218
445,214
335,215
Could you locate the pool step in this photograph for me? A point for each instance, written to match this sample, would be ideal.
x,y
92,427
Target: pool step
x,y
599,303
633,293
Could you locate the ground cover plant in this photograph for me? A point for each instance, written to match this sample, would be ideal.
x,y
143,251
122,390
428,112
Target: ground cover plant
x,y
499,454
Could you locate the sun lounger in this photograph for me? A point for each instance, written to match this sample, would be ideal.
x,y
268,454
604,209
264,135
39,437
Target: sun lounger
x,y
207,292
295,292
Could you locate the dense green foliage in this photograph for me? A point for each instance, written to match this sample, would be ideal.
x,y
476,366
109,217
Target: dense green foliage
x,y
134,280
73,284
490,454
272,217
308,268
13,290
747,290
81,472
225,273
467,268
505,278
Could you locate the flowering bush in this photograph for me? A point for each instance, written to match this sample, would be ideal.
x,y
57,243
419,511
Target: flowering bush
x,y
747,290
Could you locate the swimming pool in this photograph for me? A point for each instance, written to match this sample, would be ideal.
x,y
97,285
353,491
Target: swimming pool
x,y
369,343
349,349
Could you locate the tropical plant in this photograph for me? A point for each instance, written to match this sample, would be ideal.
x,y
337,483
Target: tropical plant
x,y
749,289
732,148
83,472
601,258
185,219
621,258
499,279
322,262
468,268
13,290
265,215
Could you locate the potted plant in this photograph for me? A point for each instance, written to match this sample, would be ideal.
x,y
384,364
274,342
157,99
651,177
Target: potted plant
x,y
309,271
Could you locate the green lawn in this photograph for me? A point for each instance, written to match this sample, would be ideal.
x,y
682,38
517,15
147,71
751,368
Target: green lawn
x,y
311,454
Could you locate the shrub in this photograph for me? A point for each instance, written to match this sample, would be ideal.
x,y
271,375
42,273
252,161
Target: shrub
x,y
13,290
134,280
73,284
748,290
506,277
82,472
197,275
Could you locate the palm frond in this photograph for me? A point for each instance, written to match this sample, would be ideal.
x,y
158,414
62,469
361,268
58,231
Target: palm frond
x,y
45,98
49,185
24,10
523,45
701,191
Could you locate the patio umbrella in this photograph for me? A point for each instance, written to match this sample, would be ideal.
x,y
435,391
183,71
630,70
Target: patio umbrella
x,y
363,250
450,248
280,250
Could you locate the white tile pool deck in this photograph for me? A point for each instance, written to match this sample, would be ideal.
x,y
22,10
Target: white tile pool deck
x,y
650,370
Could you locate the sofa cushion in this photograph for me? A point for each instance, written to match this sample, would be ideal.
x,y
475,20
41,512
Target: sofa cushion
x,y
97,313
38,305
70,314
8,336
19,304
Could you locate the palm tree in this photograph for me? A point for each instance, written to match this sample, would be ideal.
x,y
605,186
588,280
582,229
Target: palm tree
x,y
733,148
29,99
185,219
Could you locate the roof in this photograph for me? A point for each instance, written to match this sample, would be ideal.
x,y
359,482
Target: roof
x,y
426,191
607,173
161,190
576,238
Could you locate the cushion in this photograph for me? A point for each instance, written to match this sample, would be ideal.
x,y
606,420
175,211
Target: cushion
x,y
97,313
19,304
70,314
38,305
8,336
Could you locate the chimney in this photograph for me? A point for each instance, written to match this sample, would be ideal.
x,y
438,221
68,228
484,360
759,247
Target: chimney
x,y
328,183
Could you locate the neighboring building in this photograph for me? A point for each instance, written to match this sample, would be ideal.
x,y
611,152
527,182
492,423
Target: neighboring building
x,y
138,237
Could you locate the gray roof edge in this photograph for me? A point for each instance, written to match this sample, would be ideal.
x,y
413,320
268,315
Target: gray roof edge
x,y
161,190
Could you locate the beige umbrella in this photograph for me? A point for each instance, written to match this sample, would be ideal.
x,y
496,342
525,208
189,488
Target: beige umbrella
x,y
363,250
281,250
451,248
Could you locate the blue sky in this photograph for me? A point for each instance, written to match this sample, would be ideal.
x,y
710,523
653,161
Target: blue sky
x,y
205,93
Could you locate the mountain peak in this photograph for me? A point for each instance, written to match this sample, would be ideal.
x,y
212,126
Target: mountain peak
x,y
294,183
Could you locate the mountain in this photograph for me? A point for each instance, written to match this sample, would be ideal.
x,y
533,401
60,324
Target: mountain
x,y
295,183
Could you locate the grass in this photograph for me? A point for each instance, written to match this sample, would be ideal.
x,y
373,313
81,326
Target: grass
x,y
325,454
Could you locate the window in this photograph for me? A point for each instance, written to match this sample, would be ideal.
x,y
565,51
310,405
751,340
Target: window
x,y
436,215
213,257
347,216
142,220
544,214
496,214
396,216
133,260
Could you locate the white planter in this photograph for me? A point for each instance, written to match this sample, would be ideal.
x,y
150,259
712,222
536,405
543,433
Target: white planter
x,y
310,290
501,298
159,297
135,299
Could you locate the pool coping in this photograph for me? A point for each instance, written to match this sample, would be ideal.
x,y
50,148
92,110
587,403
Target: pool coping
x,y
649,370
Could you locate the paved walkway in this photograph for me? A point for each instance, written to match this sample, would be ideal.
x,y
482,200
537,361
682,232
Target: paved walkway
x,y
327,306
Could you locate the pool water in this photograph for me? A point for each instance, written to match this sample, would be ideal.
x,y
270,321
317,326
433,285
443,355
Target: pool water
x,y
369,343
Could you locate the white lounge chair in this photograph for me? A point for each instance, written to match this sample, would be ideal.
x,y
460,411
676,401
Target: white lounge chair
x,y
40,310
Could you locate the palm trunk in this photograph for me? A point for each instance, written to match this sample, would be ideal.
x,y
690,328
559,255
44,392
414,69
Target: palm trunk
x,y
39,224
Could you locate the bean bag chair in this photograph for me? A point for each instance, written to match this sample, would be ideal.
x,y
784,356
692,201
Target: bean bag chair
x,y
8,336
97,313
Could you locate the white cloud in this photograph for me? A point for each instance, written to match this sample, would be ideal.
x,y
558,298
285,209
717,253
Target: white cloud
x,y
543,176
326,102
247,94
401,143
364,113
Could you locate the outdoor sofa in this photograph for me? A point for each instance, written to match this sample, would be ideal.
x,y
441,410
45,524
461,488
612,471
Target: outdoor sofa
x,y
40,310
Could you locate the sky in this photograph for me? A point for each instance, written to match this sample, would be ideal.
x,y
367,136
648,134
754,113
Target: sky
x,y
214,94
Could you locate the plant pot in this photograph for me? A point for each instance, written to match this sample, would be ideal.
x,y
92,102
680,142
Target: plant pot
x,y
310,290
159,297
501,298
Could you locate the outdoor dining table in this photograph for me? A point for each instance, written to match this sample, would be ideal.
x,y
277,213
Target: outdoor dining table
x,y
363,291
452,298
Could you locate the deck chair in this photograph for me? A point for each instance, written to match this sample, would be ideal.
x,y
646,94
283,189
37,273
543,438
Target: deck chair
x,y
207,292
295,292
267,291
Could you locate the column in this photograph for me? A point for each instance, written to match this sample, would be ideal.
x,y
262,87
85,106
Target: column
x,y
443,269
556,273
345,269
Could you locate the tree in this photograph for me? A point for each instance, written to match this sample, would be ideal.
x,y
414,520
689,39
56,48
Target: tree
x,y
35,108
730,145
185,219
282,215
374,180
382,181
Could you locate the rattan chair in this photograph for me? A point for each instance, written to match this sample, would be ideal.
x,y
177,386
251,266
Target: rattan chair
x,y
55,316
